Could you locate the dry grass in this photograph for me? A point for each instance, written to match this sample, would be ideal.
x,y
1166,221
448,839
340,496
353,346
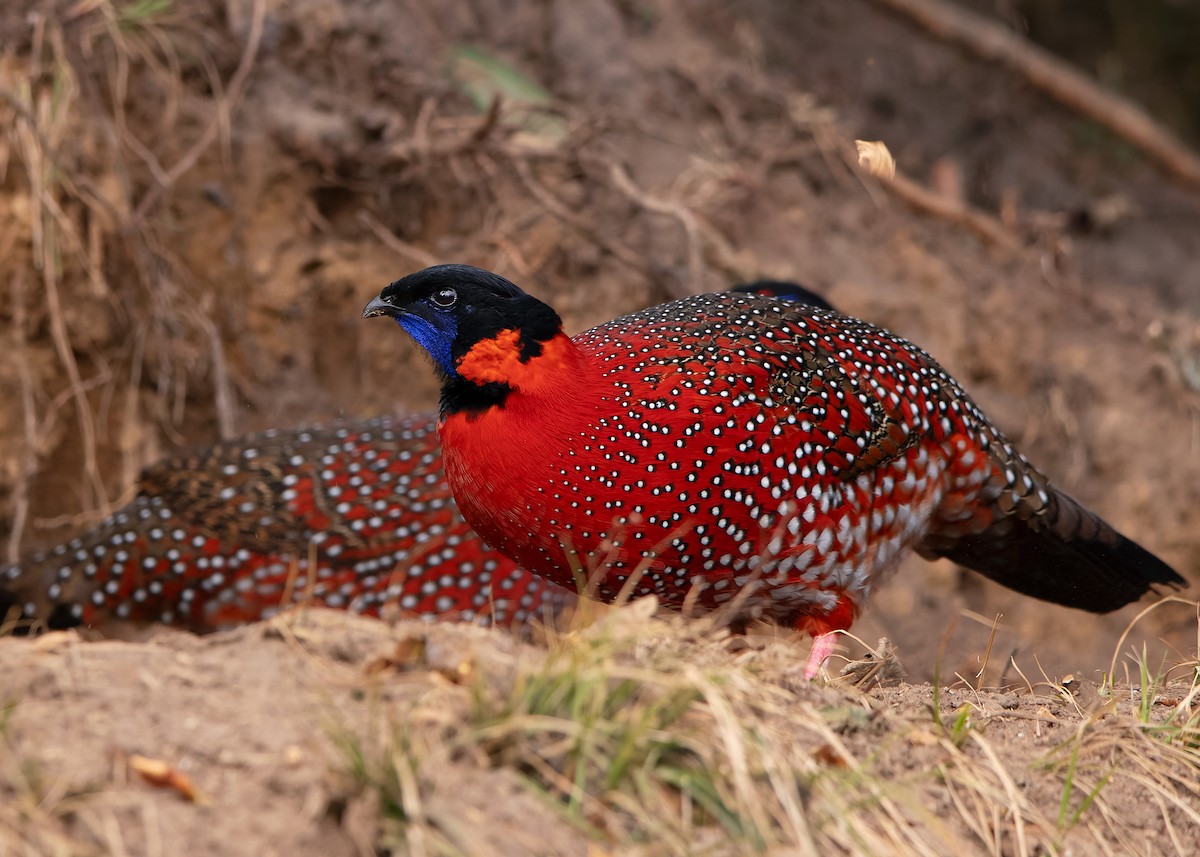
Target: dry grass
x,y
89,243
625,732
665,736
31,805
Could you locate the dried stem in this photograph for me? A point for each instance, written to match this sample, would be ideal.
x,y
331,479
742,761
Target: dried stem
x,y
225,107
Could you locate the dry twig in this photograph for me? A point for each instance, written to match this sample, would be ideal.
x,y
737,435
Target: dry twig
x,y
939,205
557,208
700,233
687,219
1056,78
393,242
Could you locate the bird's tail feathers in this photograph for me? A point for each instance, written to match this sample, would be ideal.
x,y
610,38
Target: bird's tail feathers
x,y
1065,554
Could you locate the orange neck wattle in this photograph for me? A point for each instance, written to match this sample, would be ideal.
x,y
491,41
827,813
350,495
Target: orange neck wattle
x,y
502,462
499,359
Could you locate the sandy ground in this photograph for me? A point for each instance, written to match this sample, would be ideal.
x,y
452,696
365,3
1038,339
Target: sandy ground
x,y
257,726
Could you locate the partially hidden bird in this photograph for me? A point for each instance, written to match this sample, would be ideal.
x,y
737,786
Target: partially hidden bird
x,y
737,451
355,515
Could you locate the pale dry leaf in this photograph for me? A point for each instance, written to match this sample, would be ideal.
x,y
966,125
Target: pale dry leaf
x,y
161,775
874,157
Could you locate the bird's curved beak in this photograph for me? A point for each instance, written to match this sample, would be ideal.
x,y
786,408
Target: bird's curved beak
x,y
378,306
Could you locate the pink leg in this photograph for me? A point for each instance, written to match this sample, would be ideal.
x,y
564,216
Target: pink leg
x,y
822,648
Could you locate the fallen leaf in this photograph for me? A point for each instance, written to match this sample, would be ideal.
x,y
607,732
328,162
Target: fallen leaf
x,y
161,775
827,755
874,157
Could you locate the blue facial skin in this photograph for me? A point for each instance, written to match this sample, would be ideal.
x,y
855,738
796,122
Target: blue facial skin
x,y
434,335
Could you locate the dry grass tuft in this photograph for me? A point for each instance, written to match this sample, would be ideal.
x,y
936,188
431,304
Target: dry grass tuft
x,y
94,103
669,735
32,807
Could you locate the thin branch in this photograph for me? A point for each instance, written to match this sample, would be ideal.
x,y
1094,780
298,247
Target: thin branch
x,y
950,209
393,242
559,209
1056,78
671,208
696,228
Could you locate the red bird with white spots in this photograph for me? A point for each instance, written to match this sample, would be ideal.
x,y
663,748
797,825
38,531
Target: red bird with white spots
x,y
737,446
356,517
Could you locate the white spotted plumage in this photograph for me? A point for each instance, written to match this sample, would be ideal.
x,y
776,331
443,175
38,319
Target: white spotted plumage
x,y
728,440
230,534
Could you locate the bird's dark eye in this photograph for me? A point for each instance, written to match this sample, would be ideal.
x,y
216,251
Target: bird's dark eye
x,y
444,299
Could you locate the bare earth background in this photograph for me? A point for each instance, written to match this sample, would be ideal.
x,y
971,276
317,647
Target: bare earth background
x,y
213,192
